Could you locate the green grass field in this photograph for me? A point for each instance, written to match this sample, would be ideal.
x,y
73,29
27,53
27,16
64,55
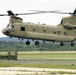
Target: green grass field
x,y
5,64
68,56
49,55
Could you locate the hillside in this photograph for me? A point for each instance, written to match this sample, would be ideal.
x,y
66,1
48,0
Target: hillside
x,y
8,39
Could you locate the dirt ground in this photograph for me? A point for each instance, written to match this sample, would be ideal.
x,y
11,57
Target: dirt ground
x,y
29,71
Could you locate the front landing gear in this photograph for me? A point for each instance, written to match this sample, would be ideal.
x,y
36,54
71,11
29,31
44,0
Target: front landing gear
x,y
61,44
72,44
36,42
27,42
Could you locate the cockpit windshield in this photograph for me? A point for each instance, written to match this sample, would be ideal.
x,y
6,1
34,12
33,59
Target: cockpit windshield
x,y
10,26
61,21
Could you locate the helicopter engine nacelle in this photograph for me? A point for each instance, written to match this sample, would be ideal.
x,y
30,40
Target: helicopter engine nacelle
x,y
69,26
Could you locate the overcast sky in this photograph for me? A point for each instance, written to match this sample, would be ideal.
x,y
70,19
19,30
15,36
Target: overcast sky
x,y
23,6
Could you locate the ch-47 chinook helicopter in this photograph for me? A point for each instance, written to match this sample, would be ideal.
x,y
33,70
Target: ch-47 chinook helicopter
x,y
63,32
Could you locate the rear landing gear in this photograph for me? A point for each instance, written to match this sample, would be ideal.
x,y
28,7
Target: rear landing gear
x,y
72,44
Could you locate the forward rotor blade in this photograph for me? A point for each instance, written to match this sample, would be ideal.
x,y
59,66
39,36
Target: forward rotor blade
x,y
3,14
43,10
29,13
10,13
20,14
56,11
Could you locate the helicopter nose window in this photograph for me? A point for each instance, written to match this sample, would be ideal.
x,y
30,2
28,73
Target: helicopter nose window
x,y
10,26
61,21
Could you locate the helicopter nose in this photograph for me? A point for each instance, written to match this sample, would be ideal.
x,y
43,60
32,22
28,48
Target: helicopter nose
x,y
5,31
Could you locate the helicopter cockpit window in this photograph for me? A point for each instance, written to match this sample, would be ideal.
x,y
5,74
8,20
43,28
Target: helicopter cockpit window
x,y
10,26
22,28
61,21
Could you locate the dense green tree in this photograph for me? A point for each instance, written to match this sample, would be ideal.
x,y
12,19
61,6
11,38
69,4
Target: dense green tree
x,y
48,46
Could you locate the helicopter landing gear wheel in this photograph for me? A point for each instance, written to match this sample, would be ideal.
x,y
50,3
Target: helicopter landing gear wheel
x,y
28,42
72,44
61,44
36,42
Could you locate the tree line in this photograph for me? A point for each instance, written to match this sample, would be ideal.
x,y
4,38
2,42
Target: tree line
x,y
48,46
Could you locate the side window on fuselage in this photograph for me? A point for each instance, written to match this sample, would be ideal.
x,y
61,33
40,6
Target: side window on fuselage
x,y
22,28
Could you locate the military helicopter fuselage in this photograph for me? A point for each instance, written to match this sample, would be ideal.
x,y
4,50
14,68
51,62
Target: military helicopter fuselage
x,y
63,32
